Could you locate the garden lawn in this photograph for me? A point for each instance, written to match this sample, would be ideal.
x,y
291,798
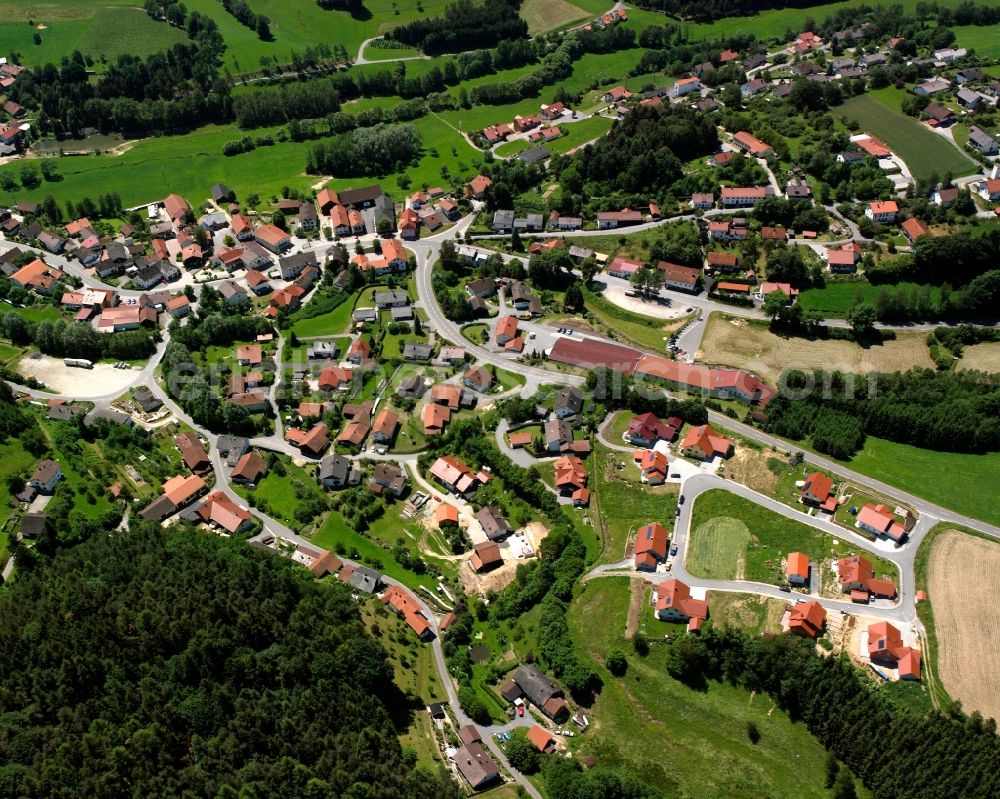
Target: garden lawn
x,y
616,428
337,320
621,504
474,333
767,542
924,152
336,535
951,479
749,612
277,496
38,313
682,741
14,460
837,298
717,549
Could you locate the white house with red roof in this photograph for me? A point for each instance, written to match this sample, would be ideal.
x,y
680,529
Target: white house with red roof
x,y
882,211
878,519
674,603
885,646
624,267
685,86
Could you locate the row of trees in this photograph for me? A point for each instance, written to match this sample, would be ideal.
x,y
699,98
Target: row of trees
x,y
77,339
463,26
245,15
277,105
555,66
178,87
949,411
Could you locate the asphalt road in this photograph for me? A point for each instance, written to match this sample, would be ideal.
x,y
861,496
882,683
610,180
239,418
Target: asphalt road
x,y
426,251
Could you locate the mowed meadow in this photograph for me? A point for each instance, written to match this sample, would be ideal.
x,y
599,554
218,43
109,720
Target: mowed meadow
x,y
295,25
102,30
189,164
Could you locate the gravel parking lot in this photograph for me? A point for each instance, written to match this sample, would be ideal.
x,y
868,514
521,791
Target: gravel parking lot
x,y
73,381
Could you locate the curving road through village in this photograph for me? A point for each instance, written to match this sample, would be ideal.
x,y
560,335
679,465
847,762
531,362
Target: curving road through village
x,y
426,251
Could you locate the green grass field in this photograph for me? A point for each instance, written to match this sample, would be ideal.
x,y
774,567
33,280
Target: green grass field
x,y
954,480
335,534
547,15
14,460
924,152
621,504
278,494
749,612
95,27
9,354
190,164
772,24
574,135
836,299
984,39
771,537
588,72
375,53
85,27
716,548
682,741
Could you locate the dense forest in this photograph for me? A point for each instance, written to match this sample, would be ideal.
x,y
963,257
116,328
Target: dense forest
x,y
949,411
160,664
639,161
176,88
365,151
897,754
465,25
708,10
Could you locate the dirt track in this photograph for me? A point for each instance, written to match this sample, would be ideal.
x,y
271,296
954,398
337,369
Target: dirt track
x,y
964,587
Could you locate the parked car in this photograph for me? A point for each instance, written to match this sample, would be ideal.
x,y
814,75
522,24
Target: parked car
x,y
520,710
680,500
673,549
786,589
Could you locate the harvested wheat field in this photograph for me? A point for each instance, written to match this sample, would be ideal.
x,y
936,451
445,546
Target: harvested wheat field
x,y
984,357
730,341
964,588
